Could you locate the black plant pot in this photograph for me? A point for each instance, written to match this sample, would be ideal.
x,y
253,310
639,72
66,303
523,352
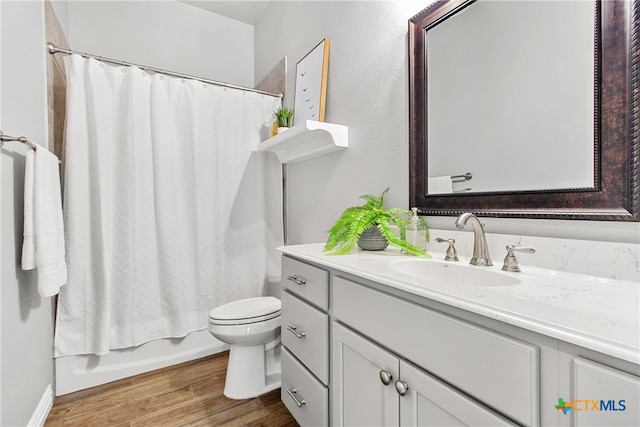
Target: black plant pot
x,y
372,240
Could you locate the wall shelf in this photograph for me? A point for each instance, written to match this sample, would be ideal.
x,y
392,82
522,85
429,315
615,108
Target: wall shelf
x,y
307,140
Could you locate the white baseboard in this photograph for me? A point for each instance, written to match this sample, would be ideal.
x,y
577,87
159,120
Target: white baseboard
x,y
42,410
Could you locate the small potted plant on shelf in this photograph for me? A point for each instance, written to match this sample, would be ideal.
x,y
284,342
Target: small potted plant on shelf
x,y
369,226
284,118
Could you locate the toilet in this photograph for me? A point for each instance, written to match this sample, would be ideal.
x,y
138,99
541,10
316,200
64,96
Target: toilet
x,y
252,328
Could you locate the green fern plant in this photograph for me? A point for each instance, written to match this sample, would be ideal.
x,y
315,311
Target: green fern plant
x,y
345,232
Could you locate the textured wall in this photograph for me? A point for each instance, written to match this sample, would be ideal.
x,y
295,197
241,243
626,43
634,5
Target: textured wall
x,y
367,90
164,34
27,327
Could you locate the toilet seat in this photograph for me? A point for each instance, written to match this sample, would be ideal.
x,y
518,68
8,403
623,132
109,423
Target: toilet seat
x,y
250,310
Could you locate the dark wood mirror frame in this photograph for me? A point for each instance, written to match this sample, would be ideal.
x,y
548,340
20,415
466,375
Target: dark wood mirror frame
x,y
615,195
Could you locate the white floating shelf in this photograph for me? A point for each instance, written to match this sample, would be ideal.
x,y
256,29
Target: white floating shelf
x,y
306,141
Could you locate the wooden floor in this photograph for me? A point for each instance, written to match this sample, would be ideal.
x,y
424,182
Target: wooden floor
x,y
189,394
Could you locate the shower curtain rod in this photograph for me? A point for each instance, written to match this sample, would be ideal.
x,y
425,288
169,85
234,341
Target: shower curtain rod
x,y
53,49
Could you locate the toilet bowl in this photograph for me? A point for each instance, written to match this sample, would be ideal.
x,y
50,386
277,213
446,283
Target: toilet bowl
x,y
252,328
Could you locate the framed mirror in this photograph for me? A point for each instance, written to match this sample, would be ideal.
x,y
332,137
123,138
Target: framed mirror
x,y
519,110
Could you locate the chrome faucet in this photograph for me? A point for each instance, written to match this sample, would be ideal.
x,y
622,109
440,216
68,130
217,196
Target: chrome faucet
x,y
480,249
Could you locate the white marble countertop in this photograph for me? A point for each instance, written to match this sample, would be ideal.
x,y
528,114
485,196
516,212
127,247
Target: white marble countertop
x,y
595,313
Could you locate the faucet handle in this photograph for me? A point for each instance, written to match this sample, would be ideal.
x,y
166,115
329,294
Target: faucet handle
x,y
452,254
510,261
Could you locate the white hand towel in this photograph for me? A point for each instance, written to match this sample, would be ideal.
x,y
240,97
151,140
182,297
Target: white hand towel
x,y
440,185
43,246
29,239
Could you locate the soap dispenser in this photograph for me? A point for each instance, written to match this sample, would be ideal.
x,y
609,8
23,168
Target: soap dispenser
x,y
417,232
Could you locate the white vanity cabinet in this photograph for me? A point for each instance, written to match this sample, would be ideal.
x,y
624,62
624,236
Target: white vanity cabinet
x,y
466,357
599,390
305,341
372,386
397,350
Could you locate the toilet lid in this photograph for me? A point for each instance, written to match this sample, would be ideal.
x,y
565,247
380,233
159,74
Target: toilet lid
x,y
249,309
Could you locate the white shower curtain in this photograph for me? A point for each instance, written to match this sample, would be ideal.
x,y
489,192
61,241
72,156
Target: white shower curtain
x,y
168,211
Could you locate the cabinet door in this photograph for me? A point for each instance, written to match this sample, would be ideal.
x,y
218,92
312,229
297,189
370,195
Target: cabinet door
x,y
359,396
601,395
429,402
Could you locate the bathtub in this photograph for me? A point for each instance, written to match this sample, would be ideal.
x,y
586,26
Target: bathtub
x,y
73,373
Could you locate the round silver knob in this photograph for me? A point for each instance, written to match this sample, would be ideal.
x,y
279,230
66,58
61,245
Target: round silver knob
x,y
385,377
401,387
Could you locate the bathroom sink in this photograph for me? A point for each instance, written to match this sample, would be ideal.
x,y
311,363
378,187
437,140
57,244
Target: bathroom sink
x,y
456,274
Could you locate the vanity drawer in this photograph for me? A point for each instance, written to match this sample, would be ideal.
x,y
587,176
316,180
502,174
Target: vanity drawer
x,y
298,384
311,283
305,332
496,369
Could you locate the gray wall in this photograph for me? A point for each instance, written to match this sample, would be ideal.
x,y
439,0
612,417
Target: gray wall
x,y
26,331
367,90
171,35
